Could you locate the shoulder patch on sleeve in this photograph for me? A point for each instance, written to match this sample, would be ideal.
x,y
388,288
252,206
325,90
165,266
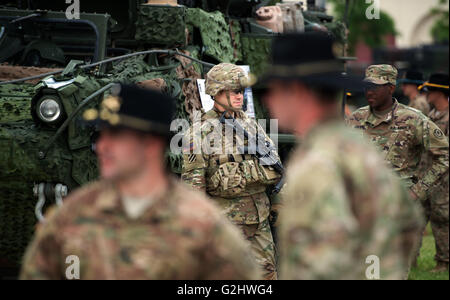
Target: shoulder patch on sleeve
x,y
438,134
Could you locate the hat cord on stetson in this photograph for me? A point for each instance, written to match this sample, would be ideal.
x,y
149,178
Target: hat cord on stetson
x,y
434,85
141,124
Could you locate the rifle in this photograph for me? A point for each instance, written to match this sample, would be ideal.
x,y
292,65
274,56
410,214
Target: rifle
x,y
263,150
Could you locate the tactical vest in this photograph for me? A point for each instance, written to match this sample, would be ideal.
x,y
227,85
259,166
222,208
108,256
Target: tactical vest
x,y
235,175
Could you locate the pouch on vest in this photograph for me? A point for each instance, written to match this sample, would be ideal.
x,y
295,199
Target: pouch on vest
x,y
269,175
250,171
227,181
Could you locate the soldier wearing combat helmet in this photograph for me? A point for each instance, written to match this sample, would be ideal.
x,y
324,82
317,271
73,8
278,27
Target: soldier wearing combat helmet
x,y
235,180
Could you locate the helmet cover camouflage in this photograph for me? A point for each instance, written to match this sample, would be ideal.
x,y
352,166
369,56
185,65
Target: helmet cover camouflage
x,y
225,77
381,74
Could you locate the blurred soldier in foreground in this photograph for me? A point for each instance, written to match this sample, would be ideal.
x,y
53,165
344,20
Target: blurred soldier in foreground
x,y
342,204
138,222
404,135
235,180
437,209
410,87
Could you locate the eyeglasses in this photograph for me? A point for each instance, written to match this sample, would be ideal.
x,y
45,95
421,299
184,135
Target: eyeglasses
x,y
237,92
375,87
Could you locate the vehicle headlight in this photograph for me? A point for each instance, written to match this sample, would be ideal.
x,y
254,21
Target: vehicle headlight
x,y
49,110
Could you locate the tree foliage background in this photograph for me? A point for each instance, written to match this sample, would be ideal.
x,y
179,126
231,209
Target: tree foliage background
x,y
371,32
440,29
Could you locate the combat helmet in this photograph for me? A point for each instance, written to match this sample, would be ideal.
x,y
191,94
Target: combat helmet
x,y
225,77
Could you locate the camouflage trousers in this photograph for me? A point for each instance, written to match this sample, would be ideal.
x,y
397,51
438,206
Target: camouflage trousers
x,y
263,247
436,210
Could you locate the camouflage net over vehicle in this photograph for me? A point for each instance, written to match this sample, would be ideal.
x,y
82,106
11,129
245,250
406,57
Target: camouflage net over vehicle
x,y
215,34
19,146
15,105
256,53
161,25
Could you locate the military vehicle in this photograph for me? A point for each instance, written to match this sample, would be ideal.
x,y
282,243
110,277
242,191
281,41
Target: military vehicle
x,y
71,60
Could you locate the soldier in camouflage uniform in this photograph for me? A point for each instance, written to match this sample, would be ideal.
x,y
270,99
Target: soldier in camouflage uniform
x,y
137,222
342,204
437,90
410,87
403,134
234,180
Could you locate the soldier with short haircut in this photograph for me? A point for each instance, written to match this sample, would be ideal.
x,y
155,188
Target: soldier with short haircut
x,y
343,207
235,180
137,222
410,83
437,90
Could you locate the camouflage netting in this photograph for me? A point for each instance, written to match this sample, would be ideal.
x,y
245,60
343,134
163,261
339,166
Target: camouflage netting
x,y
235,29
17,221
15,109
190,90
15,105
256,53
84,168
176,74
215,34
161,25
19,146
136,69
127,70
336,28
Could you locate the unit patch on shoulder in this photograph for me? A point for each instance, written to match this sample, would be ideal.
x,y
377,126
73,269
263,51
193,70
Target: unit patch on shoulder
x,y
438,134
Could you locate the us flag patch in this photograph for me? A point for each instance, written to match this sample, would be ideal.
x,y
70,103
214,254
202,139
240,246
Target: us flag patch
x,y
189,149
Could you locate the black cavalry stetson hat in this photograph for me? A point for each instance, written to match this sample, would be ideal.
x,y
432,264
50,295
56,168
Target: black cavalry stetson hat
x,y
437,82
310,58
134,108
412,77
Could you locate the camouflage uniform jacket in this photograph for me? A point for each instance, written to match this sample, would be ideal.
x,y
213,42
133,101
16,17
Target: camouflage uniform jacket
x,y
403,136
182,236
440,118
420,103
342,204
251,205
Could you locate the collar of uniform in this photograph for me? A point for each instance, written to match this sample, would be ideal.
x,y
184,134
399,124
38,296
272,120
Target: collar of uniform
x,y
374,121
164,205
109,201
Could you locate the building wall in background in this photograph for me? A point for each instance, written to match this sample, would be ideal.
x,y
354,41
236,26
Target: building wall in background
x,y
413,20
